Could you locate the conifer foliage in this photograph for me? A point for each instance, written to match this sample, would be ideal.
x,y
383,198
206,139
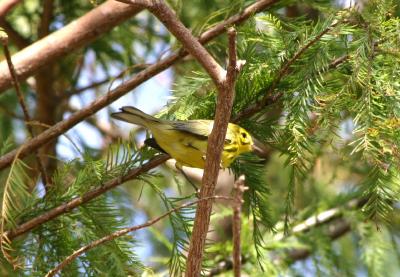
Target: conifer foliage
x,y
320,89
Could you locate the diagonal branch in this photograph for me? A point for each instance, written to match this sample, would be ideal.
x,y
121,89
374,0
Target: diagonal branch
x,y
78,33
189,42
123,232
63,126
20,96
66,207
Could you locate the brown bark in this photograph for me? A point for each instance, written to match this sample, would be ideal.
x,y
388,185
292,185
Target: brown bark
x,y
213,160
113,95
6,6
14,36
66,207
121,233
47,102
190,43
68,39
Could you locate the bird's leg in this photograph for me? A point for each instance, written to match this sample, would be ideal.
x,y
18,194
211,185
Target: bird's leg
x,y
178,166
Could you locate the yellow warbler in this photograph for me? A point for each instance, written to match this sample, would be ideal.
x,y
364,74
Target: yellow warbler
x,y
186,141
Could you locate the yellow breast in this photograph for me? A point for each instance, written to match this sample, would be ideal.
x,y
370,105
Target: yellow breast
x,y
190,150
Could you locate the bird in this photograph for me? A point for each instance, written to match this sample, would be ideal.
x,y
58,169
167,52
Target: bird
x,y
186,141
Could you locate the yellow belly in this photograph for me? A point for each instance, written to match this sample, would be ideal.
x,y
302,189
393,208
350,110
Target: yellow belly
x,y
187,150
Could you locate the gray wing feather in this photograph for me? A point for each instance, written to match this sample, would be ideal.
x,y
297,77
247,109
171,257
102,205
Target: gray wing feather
x,y
199,128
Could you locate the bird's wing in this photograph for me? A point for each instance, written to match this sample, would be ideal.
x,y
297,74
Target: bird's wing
x,y
201,129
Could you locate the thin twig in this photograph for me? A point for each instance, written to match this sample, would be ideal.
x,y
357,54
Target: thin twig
x,y
213,161
239,188
105,128
77,201
4,41
123,232
104,81
144,75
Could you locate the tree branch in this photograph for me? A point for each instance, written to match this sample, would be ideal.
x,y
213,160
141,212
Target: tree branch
x,y
322,218
6,6
123,232
337,226
335,230
77,201
93,85
212,164
64,41
144,75
20,96
284,70
239,188
46,17
189,42
14,36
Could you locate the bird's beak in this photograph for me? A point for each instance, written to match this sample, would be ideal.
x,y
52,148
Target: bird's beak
x,y
260,149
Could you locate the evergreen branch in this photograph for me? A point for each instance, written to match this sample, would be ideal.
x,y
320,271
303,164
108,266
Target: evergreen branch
x,y
215,145
335,230
284,70
337,227
77,201
5,203
239,188
125,231
273,99
4,41
154,69
322,218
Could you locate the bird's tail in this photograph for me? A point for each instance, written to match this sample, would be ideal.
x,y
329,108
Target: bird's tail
x,y
135,116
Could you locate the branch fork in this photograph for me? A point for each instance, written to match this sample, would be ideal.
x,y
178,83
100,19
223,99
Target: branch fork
x,y
225,83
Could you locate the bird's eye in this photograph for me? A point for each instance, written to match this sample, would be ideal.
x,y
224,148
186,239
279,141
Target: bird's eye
x,y
244,135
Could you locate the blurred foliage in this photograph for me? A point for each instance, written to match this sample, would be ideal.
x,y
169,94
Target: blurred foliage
x,y
333,137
